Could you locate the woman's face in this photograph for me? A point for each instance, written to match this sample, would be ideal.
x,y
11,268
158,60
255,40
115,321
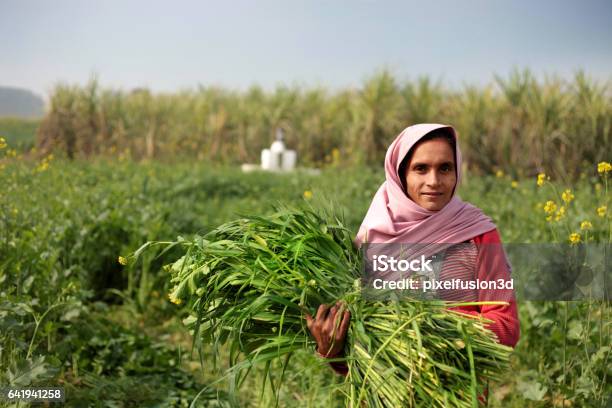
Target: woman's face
x,y
430,175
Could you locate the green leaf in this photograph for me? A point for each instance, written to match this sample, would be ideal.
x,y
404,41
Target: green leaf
x,y
27,372
575,330
532,390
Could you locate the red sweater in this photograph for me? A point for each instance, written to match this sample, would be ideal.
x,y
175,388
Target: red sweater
x,y
491,264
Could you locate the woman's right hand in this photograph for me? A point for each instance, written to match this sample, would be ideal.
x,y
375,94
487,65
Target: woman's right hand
x,y
330,342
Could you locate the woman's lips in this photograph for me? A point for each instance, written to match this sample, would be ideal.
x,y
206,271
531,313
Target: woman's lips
x,y
432,195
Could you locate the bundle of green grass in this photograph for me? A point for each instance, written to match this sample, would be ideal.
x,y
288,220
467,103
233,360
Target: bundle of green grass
x,y
250,282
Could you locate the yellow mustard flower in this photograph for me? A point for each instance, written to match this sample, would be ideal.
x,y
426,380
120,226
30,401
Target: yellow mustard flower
x,y
514,184
601,211
44,165
541,179
604,167
174,299
335,155
549,218
122,260
2,143
560,213
574,238
499,174
307,194
567,196
586,225
550,207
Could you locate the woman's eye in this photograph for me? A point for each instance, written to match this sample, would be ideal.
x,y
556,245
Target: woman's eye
x,y
446,169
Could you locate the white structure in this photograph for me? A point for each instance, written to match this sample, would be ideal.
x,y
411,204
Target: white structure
x,y
277,157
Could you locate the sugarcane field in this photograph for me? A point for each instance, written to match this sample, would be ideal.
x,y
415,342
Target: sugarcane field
x,y
405,240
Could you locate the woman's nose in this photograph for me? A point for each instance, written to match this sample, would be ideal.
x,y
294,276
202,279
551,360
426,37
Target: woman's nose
x,y
433,178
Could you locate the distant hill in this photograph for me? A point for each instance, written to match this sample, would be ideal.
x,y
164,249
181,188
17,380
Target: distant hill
x,y
21,103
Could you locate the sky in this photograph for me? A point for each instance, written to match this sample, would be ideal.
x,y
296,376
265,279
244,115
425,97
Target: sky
x,y
172,45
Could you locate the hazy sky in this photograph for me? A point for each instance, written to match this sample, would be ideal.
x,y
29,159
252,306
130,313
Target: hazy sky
x,y
180,44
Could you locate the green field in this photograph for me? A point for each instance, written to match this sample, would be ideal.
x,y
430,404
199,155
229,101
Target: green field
x,y
70,314
19,133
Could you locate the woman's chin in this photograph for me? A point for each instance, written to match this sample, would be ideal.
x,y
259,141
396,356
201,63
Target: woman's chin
x,y
433,205
430,206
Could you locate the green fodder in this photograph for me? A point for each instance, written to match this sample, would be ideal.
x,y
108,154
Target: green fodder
x,y
250,282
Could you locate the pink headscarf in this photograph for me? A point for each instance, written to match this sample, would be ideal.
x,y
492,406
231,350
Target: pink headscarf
x,y
395,218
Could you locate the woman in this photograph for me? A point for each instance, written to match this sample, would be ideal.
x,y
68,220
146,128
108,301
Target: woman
x,y
417,204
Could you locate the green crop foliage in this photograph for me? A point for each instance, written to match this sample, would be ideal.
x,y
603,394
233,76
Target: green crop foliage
x,y
63,225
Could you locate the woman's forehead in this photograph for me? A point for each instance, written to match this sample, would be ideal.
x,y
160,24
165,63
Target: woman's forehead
x,y
437,150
